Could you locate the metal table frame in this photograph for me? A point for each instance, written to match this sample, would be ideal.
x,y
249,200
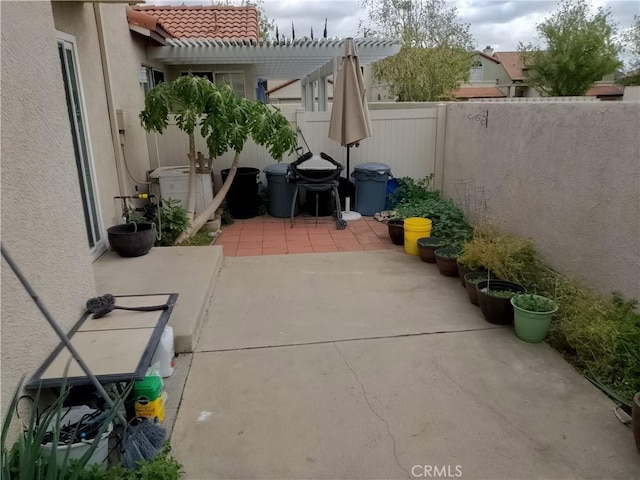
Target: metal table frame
x,y
37,382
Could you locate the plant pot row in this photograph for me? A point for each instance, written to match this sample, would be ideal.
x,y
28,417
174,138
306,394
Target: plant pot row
x,y
501,302
498,299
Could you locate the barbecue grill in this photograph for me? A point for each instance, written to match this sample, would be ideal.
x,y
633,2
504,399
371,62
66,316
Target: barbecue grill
x,y
316,173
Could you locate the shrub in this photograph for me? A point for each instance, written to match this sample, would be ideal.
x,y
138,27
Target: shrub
x,y
598,334
417,199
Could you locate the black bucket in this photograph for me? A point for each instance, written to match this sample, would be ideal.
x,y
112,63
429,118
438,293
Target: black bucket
x,y
243,198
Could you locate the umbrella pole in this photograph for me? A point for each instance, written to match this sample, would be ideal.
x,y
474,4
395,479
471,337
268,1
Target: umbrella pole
x,y
348,150
347,214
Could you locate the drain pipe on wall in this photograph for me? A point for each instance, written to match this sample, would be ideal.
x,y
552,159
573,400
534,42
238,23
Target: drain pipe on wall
x,y
113,122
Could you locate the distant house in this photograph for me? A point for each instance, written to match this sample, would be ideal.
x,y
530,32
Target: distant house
x,y
503,75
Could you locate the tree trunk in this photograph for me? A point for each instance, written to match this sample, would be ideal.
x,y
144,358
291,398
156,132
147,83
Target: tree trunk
x,y
191,199
204,216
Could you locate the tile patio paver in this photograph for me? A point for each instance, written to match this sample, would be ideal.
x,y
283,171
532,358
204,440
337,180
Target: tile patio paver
x,y
275,236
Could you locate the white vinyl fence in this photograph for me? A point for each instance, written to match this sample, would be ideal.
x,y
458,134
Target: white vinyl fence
x,y
410,141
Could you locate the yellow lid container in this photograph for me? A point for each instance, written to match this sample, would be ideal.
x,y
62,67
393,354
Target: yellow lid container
x,y
415,228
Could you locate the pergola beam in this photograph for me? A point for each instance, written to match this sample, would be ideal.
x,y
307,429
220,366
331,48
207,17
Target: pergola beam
x,y
270,59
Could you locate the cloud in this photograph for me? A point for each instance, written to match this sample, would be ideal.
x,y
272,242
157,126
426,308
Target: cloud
x,y
499,23
342,16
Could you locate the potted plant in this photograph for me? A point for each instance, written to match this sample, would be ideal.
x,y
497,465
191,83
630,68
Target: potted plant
x,y
132,239
470,260
532,316
471,281
494,297
446,259
225,120
396,230
427,247
159,226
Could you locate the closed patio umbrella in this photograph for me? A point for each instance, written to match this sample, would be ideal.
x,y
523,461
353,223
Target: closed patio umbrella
x,y
349,114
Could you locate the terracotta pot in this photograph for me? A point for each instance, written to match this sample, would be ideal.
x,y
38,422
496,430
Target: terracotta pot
x,y
447,264
427,247
396,231
635,414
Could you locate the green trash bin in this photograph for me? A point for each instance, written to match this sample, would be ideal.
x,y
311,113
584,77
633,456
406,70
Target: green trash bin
x,y
280,191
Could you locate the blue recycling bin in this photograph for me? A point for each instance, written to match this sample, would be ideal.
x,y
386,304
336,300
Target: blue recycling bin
x,y
371,187
280,191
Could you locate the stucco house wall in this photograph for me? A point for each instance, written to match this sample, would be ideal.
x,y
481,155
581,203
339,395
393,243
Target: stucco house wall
x,y
126,54
572,186
42,219
78,19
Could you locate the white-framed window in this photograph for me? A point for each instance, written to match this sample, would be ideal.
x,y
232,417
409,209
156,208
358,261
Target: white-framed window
x,y
153,77
207,75
234,79
476,71
81,144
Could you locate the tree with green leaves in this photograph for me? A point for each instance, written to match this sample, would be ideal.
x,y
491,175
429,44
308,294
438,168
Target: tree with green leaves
x,y
435,58
631,39
224,120
580,49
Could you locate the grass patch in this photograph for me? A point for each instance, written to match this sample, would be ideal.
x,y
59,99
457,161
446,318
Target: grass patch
x,y
202,238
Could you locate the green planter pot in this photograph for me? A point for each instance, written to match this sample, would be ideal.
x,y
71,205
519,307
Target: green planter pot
x,y
531,326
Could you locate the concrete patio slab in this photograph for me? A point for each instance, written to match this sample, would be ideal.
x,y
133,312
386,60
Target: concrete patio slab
x,y
293,299
166,270
480,403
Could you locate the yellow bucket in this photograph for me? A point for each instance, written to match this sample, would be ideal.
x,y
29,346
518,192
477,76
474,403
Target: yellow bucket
x,y
415,228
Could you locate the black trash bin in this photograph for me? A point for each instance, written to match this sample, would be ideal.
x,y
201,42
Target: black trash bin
x,y
280,190
243,199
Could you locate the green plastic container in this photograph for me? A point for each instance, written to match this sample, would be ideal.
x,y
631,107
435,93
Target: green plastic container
x,y
148,398
150,387
530,326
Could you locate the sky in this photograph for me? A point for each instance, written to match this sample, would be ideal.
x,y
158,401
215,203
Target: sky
x,y
502,24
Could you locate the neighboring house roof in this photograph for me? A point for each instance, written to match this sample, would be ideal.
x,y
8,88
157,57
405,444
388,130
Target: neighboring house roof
x,y
488,57
604,91
215,22
479,92
146,25
512,64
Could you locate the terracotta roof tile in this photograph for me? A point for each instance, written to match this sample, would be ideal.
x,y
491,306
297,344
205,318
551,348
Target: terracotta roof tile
x,y
603,90
512,64
479,92
206,22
